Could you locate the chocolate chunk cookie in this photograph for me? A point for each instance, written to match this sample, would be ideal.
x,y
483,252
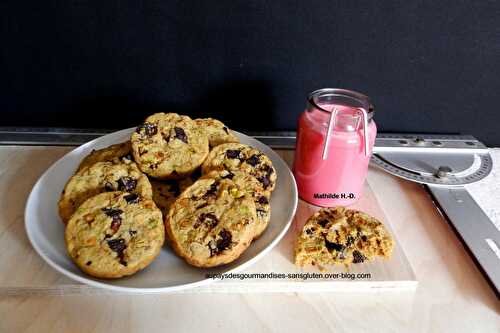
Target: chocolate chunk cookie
x,y
115,234
216,131
255,189
121,152
240,157
211,223
169,146
341,236
102,177
166,191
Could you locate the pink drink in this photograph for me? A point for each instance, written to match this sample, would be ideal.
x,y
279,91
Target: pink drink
x,y
338,179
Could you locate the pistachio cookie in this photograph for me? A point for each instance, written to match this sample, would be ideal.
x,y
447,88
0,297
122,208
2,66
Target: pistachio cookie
x,y
255,189
216,131
341,236
102,177
169,146
166,191
120,151
115,234
241,157
211,223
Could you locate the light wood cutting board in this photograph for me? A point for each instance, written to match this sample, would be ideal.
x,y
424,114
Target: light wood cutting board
x,y
22,272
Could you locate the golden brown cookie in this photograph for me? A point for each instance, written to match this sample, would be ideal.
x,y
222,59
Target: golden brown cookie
x,y
169,146
115,234
255,189
241,157
216,131
211,223
102,177
341,236
114,153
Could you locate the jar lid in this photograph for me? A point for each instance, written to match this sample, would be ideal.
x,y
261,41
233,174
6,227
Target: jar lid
x,y
342,97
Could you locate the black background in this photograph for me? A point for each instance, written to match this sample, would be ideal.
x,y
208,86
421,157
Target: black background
x,y
429,66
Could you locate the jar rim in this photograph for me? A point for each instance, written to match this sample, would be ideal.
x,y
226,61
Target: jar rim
x,y
354,95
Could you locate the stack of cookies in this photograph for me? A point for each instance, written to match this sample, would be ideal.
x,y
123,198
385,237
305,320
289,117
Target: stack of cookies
x,y
189,181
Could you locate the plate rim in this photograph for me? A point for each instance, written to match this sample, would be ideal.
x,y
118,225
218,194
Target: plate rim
x,y
149,290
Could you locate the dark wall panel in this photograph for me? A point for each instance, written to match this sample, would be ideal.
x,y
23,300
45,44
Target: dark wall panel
x,y
429,66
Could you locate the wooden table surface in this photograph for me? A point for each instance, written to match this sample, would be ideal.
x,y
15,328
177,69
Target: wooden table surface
x,y
452,295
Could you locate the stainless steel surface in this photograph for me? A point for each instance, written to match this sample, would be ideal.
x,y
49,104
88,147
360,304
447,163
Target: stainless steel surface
x,y
444,164
425,158
421,143
424,169
48,136
475,229
76,137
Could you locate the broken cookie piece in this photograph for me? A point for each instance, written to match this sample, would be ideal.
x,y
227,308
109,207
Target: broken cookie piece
x,y
341,236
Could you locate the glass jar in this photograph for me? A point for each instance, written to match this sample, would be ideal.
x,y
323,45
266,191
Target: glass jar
x,y
335,138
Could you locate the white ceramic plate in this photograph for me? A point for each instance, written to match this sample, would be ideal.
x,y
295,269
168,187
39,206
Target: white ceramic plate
x,y
168,272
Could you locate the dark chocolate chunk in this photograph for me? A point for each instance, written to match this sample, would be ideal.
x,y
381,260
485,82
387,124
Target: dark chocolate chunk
x,y
357,257
147,128
225,240
261,212
211,191
364,238
263,200
309,232
109,187
127,184
232,153
89,263
323,223
333,246
116,223
269,171
112,212
132,232
208,219
253,160
180,134
350,241
131,198
118,245
266,182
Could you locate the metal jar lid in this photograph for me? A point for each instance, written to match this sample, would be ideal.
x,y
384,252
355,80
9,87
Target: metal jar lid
x,y
341,96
